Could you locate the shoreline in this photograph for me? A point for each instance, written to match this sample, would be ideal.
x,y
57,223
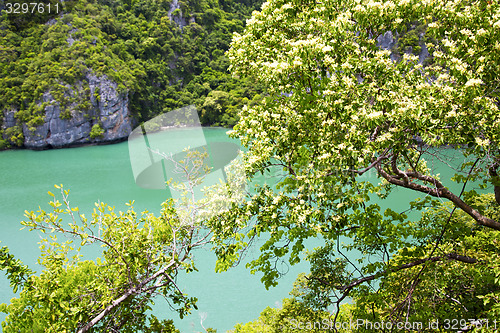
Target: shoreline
x,y
110,142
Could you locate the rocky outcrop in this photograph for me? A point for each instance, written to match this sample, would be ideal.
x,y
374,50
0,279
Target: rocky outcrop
x,y
9,119
388,41
69,126
175,14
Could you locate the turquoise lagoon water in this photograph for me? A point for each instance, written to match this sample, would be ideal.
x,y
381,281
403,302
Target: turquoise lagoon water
x,y
104,173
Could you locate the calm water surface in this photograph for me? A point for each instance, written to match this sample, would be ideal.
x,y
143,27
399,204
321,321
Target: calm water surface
x,y
104,173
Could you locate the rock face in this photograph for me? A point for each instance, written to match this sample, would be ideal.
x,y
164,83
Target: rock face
x,y
108,108
387,41
178,19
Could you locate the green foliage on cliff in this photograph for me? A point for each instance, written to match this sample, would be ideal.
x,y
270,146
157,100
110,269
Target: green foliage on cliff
x,y
97,131
163,57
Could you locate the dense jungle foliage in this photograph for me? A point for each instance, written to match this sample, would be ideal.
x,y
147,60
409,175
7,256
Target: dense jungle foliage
x,y
164,54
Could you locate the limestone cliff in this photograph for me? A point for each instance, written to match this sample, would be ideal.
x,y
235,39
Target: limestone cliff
x,y
70,125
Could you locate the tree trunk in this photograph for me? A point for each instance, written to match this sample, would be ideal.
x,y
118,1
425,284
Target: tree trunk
x,y
496,182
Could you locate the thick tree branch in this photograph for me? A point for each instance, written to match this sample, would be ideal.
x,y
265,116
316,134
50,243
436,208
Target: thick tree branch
x,y
401,178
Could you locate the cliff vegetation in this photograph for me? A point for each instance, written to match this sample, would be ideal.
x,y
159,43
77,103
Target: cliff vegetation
x,y
64,73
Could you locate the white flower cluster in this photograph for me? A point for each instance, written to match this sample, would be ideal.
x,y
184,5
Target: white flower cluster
x,y
452,45
326,48
459,65
374,115
481,32
473,82
482,143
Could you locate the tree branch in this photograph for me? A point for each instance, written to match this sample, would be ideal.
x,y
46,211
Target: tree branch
x,y
347,288
384,156
496,181
131,291
438,191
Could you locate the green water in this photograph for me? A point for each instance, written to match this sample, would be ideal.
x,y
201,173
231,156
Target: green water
x,y
104,173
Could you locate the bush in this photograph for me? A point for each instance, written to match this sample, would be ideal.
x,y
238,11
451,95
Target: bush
x,y
97,131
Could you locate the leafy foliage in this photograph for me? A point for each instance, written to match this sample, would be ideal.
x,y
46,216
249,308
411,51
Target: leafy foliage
x,y
137,263
96,131
293,316
340,107
141,258
17,273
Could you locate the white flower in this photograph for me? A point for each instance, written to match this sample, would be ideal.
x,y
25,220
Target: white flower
x,y
359,8
449,43
273,64
473,82
443,77
482,143
466,32
374,115
384,137
383,53
324,156
481,32
451,114
410,57
346,65
438,54
374,4
327,48
348,81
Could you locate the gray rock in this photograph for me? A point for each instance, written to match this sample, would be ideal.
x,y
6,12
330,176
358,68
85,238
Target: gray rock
x,y
35,139
179,20
7,122
111,111
387,41
9,119
424,54
70,40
